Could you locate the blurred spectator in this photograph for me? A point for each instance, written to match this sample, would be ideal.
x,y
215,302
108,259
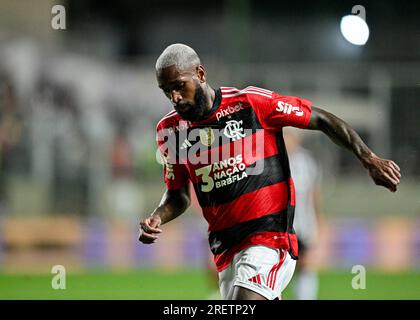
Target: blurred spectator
x,y
11,130
306,176
122,153
70,153
125,195
60,150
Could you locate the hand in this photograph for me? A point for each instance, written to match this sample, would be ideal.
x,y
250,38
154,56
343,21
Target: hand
x,y
149,229
385,173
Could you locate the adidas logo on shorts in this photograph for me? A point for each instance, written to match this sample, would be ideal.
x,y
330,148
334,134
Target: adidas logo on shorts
x,y
255,279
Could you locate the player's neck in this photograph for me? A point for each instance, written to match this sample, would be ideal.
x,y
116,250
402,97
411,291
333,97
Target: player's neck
x,y
210,95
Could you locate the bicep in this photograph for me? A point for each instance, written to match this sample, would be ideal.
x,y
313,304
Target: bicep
x,y
319,118
326,122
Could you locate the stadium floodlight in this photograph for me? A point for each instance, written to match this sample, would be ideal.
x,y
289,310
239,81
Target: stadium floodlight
x,y
354,29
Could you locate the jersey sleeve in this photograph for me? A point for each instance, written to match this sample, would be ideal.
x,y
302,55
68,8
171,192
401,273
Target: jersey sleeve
x,y
279,111
175,173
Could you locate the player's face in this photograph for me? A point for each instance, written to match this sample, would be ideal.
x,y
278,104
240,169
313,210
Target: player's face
x,y
185,92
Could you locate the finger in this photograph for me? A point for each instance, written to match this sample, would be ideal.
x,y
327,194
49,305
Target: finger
x,y
144,223
396,167
389,179
147,236
147,241
154,229
391,186
155,224
394,175
152,224
147,228
385,181
397,173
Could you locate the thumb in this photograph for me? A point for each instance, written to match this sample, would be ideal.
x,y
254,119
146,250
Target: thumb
x,y
155,222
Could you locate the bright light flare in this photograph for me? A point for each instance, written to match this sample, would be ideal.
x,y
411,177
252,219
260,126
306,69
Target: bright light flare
x,y
354,29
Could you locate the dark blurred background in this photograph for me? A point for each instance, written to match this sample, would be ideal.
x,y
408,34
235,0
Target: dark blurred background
x,y
78,109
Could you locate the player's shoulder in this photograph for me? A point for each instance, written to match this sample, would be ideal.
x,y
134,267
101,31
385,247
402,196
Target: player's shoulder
x,y
250,93
171,119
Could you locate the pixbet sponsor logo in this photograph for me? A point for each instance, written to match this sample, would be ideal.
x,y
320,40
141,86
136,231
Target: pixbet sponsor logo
x,y
228,111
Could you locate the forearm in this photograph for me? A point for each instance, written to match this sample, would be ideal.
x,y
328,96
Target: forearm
x,y
341,134
172,205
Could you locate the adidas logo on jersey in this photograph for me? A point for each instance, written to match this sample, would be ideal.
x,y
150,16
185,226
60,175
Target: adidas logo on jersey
x,y
186,144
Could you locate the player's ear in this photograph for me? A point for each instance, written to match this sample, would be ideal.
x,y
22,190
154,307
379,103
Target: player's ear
x,y
201,73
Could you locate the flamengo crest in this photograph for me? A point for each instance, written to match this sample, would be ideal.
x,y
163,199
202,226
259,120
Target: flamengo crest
x,y
234,130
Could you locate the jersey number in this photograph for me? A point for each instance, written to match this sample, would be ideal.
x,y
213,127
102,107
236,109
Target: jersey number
x,y
208,182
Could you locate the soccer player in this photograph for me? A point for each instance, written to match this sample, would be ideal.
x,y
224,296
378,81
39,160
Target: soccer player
x,y
306,177
246,193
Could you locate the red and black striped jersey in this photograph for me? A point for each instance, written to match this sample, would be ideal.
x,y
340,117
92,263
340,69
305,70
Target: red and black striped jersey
x,y
237,162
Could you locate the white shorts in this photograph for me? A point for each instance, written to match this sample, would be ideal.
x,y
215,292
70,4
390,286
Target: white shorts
x,y
264,270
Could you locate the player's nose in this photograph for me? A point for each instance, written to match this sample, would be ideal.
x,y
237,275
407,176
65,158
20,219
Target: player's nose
x,y
175,97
